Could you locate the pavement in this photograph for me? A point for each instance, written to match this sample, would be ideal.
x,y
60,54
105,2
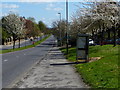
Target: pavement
x,y
44,75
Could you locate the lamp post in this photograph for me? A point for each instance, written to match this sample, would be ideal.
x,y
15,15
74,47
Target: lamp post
x,y
60,30
67,27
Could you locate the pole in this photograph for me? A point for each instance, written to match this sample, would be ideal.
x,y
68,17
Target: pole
x,y
67,27
60,30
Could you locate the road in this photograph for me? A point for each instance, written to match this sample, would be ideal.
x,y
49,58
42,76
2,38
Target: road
x,y
25,43
15,64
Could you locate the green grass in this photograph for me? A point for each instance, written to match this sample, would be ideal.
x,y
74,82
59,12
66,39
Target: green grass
x,y
22,48
102,73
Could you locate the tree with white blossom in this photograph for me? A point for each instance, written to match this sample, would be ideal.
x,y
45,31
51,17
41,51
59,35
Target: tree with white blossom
x,y
96,17
14,26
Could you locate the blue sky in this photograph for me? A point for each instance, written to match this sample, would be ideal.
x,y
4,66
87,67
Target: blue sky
x,y
44,11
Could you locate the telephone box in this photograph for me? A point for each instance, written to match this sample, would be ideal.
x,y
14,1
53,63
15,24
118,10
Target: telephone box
x,y
82,47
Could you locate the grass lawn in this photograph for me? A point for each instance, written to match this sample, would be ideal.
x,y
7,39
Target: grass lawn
x,y
102,73
22,48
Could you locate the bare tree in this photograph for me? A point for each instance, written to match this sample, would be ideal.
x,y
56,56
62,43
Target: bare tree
x,y
59,33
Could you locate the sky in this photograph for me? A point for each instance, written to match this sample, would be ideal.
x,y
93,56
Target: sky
x,y
41,11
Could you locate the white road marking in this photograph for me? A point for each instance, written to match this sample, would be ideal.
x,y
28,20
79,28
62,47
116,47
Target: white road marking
x,y
17,56
5,60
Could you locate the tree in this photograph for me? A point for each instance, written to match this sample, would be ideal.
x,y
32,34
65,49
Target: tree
x,y
42,27
29,26
13,25
20,34
93,18
60,34
36,30
31,19
4,35
31,29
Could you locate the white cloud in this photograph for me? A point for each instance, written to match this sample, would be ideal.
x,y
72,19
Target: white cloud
x,y
48,8
9,6
54,0
3,14
57,14
58,9
9,0
52,7
43,18
39,0
13,10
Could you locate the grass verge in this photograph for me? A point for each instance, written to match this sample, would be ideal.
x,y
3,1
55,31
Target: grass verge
x,y
102,73
22,48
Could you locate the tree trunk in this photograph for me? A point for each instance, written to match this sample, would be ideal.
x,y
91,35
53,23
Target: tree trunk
x,y
92,34
19,42
10,39
37,38
13,41
100,41
13,44
108,32
118,32
6,41
25,40
114,37
102,35
3,41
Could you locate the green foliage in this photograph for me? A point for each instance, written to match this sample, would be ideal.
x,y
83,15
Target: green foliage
x,y
4,34
102,73
32,29
36,30
42,26
31,19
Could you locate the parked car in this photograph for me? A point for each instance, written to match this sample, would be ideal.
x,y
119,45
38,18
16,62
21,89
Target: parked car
x,y
118,41
91,42
104,42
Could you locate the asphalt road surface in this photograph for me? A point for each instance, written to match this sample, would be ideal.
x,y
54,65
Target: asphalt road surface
x,y
15,64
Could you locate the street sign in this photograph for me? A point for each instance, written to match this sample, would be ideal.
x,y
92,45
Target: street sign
x,y
82,47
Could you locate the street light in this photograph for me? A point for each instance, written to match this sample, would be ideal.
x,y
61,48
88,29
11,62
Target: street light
x,y
67,27
60,30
